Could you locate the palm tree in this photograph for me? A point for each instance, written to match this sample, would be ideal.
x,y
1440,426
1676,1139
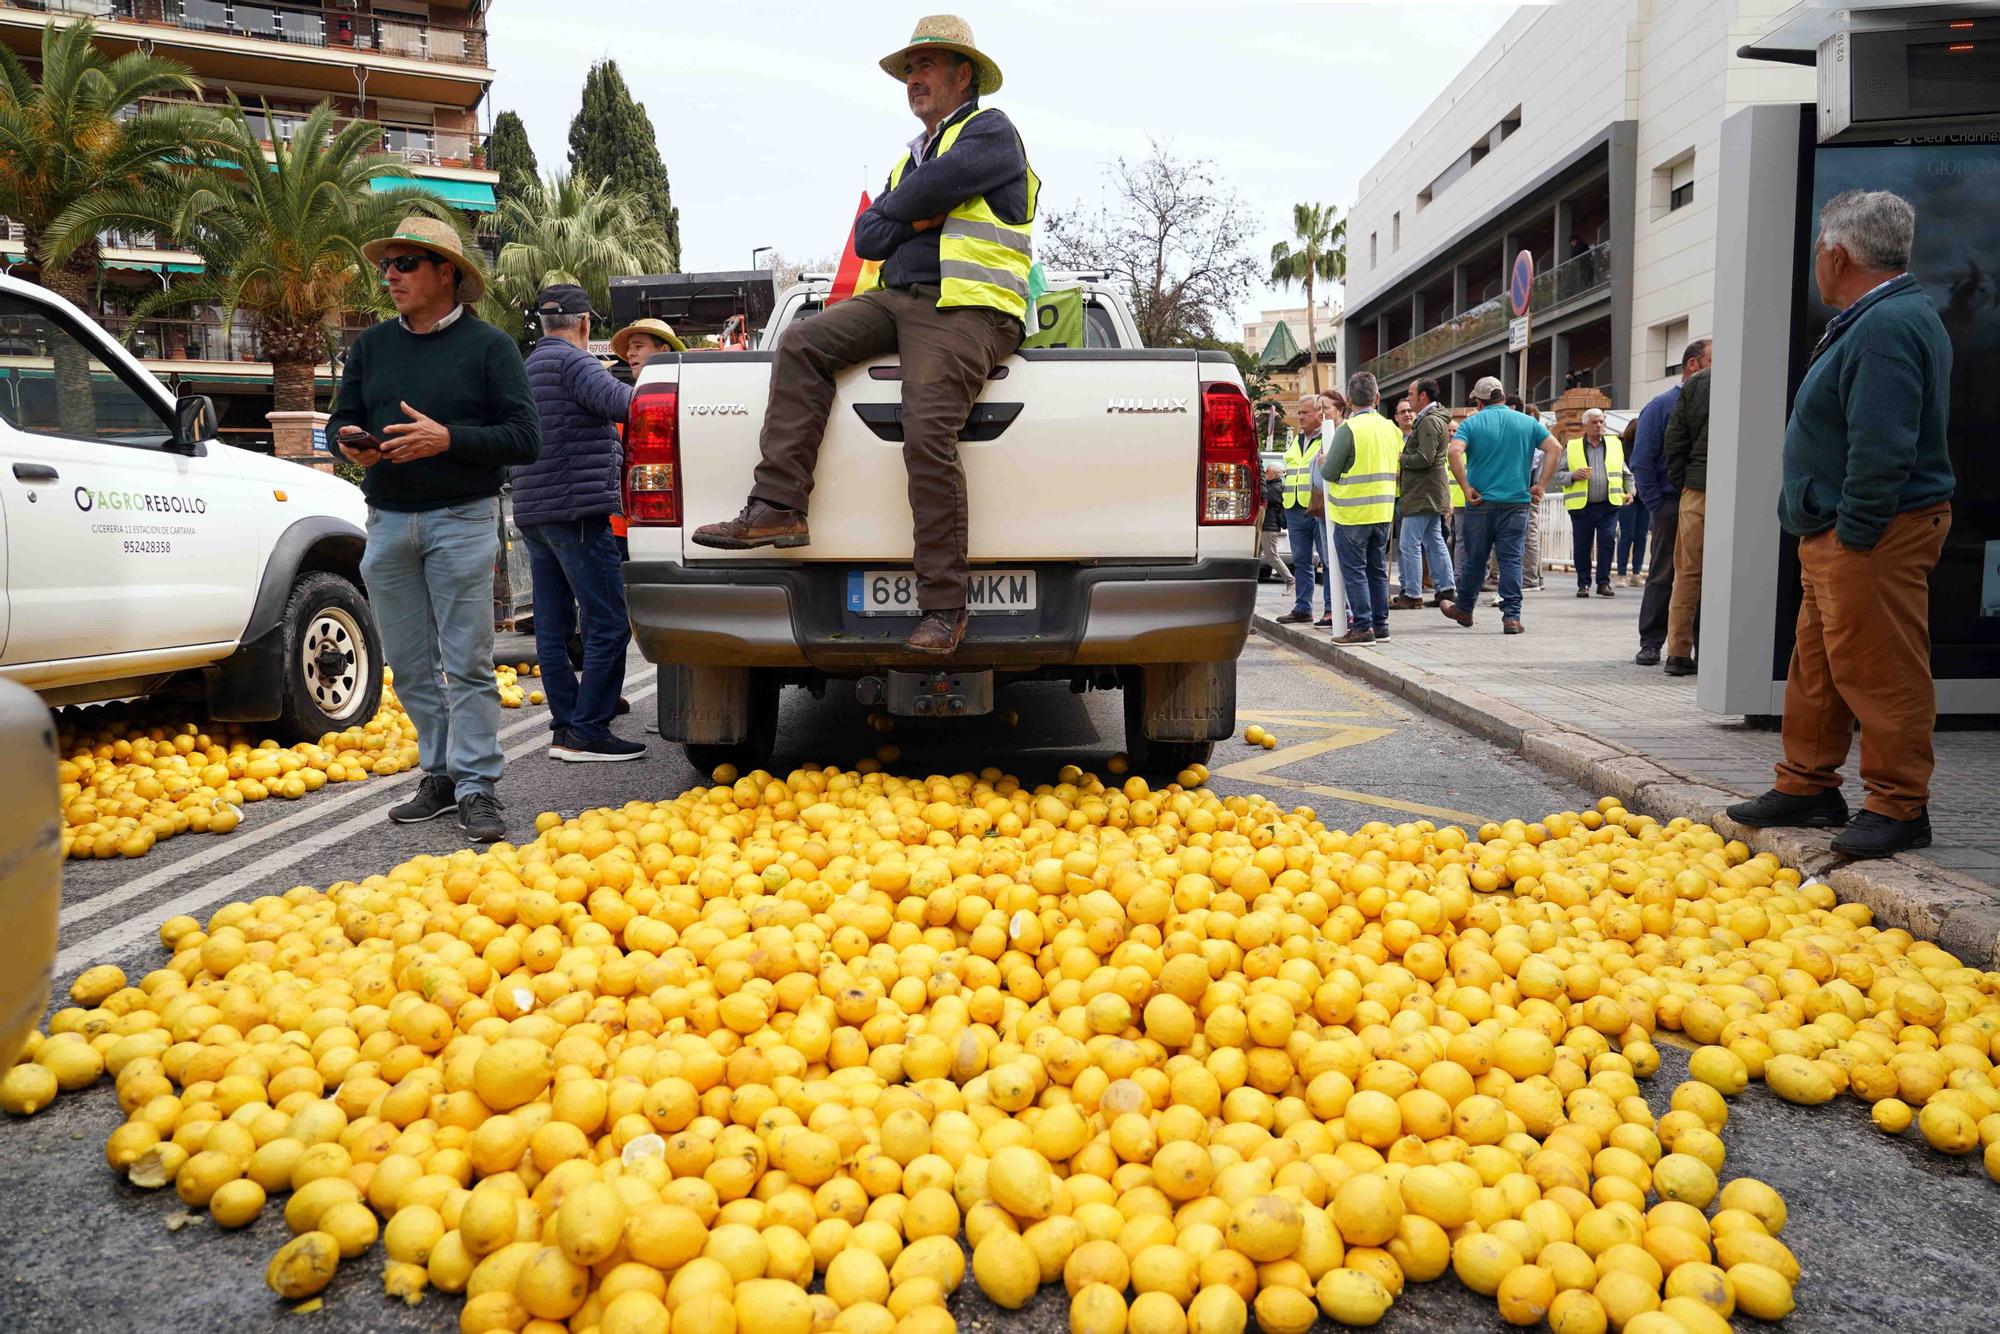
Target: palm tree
x,y
563,228
72,138
282,244
1321,256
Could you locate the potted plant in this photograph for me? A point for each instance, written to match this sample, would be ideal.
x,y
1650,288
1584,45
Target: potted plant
x,y
479,155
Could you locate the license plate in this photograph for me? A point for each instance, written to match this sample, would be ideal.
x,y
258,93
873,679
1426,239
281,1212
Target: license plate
x,y
894,592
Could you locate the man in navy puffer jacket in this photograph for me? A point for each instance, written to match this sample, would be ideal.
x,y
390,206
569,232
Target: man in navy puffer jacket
x,y
563,503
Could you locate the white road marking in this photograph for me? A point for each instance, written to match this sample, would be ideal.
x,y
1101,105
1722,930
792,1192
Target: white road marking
x,y
105,942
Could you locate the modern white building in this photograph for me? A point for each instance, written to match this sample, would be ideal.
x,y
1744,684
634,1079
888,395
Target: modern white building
x,y
1586,133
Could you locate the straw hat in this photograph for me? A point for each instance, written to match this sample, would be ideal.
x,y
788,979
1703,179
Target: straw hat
x,y
945,32
659,329
439,238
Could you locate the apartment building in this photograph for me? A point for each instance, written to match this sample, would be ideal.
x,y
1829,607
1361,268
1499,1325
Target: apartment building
x,y
417,69
1585,133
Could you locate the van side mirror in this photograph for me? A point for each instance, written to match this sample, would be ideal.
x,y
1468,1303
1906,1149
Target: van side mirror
x,y
194,422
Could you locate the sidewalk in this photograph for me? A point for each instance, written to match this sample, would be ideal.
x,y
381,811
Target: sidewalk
x,y
1567,695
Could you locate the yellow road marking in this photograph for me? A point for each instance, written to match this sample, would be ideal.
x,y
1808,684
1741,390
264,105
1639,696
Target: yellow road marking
x,y
1260,769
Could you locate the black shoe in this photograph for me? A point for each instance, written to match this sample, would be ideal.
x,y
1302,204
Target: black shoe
x,y
1647,657
1295,618
1606,591
624,706
435,796
479,816
1445,595
1325,622
1781,810
1583,592
610,750
1876,835
1381,635
1679,667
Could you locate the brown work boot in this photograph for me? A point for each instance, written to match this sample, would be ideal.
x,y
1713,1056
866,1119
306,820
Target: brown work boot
x,y
759,525
1403,602
937,633
1450,609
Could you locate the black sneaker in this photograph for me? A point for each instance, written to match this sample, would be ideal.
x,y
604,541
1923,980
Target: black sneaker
x,y
1647,656
1381,635
1679,667
479,816
1781,810
612,749
435,796
1325,622
1873,834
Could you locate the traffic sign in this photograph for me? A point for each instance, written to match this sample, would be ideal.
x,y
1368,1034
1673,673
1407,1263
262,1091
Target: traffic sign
x,y
1517,333
1521,286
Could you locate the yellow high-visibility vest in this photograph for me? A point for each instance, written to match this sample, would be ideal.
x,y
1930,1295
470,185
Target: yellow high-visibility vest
x,y
1300,457
983,260
1366,492
1457,495
1577,493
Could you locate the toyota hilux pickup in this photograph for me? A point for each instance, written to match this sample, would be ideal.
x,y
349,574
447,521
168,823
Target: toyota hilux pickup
x,y
139,555
1113,493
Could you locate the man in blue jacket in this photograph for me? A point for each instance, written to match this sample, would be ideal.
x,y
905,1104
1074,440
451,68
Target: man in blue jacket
x,y
1867,491
1662,500
563,503
953,232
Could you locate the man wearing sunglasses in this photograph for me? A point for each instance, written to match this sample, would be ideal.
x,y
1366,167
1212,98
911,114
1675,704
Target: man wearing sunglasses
x,y
435,405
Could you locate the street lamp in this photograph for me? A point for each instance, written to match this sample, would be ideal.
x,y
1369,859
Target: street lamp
x,y
758,251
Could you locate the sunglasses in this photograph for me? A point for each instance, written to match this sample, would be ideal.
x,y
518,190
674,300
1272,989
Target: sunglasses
x,y
404,263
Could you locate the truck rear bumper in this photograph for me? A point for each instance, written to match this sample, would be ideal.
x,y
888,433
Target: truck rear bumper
x,y
795,617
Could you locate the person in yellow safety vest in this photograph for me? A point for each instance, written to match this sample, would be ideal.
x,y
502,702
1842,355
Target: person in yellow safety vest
x,y
954,232
1595,486
1305,515
1360,469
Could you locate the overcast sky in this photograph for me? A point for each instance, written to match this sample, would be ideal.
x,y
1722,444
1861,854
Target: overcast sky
x,y
772,115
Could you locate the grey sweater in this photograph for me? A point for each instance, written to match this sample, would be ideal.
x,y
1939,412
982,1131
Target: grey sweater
x,y
986,159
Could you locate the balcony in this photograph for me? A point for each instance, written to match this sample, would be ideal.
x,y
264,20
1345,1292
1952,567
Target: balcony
x,y
296,25
1572,280
200,337
419,145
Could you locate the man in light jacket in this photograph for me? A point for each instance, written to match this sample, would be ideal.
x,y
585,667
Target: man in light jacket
x,y
563,503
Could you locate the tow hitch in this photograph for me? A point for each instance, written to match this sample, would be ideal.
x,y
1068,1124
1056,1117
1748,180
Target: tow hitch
x,y
928,694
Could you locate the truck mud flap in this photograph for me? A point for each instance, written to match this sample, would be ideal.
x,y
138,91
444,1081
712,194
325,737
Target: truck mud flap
x,y
706,706
1186,701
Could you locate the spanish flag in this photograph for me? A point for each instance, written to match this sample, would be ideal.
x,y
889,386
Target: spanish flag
x,y
854,273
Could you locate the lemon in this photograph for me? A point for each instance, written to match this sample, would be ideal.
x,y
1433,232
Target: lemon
x,y
1892,1116
1097,1309
1760,1291
1367,1209
302,1266
236,1203
1284,1310
1719,1068
1525,1295
1217,1310
1265,1228
1948,1128
1352,1297
773,1305
351,1224
551,1285
590,1223
1007,1271
1577,1311
27,1088
511,1072
1481,1260
1021,1184
1756,1198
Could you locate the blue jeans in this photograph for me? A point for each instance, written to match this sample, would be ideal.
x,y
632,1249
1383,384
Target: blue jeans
x,y
1423,535
1308,534
1494,529
1632,529
1364,569
1595,526
575,567
430,584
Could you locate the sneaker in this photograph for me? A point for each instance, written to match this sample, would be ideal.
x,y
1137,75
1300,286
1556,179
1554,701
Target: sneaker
x,y
1360,634
759,525
611,749
1582,592
1381,635
1451,611
1325,622
1647,657
1606,591
1874,834
1679,667
479,816
1782,810
1636,581
435,796
1534,585
1511,627
1295,618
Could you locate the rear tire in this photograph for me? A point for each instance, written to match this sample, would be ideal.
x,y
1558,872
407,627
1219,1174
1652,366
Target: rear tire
x,y
760,740
332,659
1156,759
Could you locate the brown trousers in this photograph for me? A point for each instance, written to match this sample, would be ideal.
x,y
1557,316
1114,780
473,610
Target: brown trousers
x,y
1864,652
946,357
1686,603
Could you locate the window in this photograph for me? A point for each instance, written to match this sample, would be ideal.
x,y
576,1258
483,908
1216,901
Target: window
x,y
1669,341
54,383
1395,233
1502,131
1673,184
1374,250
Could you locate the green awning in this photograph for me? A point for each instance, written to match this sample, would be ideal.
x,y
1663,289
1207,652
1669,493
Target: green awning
x,y
476,196
152,265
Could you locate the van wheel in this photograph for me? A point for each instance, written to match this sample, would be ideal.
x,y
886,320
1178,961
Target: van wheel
x,y
1156,759
332,658
760,734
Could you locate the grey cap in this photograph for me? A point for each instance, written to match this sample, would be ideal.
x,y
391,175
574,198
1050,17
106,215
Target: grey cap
x,y
1488,390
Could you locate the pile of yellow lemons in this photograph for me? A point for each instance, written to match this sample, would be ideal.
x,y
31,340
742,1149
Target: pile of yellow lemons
x,y
132,778
1200,1059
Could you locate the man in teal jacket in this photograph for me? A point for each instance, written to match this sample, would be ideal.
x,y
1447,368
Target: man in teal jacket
x,y
1867,491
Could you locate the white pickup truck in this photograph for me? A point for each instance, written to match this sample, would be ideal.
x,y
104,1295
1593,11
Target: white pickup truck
x,y
140,555
1113,494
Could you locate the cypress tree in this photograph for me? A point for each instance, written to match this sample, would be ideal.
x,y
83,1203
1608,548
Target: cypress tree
x,y
612,136
509,153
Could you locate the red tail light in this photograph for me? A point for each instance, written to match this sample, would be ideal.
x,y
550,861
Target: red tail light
x,y
1229,489
653,457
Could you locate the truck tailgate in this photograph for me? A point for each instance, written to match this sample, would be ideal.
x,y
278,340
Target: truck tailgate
x,y
1084,455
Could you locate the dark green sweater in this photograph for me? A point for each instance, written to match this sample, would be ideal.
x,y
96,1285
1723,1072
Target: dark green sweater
x,y
1866,439
468,377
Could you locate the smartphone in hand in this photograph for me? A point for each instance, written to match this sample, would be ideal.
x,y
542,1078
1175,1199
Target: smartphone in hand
x,y
353,441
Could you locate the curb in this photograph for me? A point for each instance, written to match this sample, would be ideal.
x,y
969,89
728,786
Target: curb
x,y
1959,913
